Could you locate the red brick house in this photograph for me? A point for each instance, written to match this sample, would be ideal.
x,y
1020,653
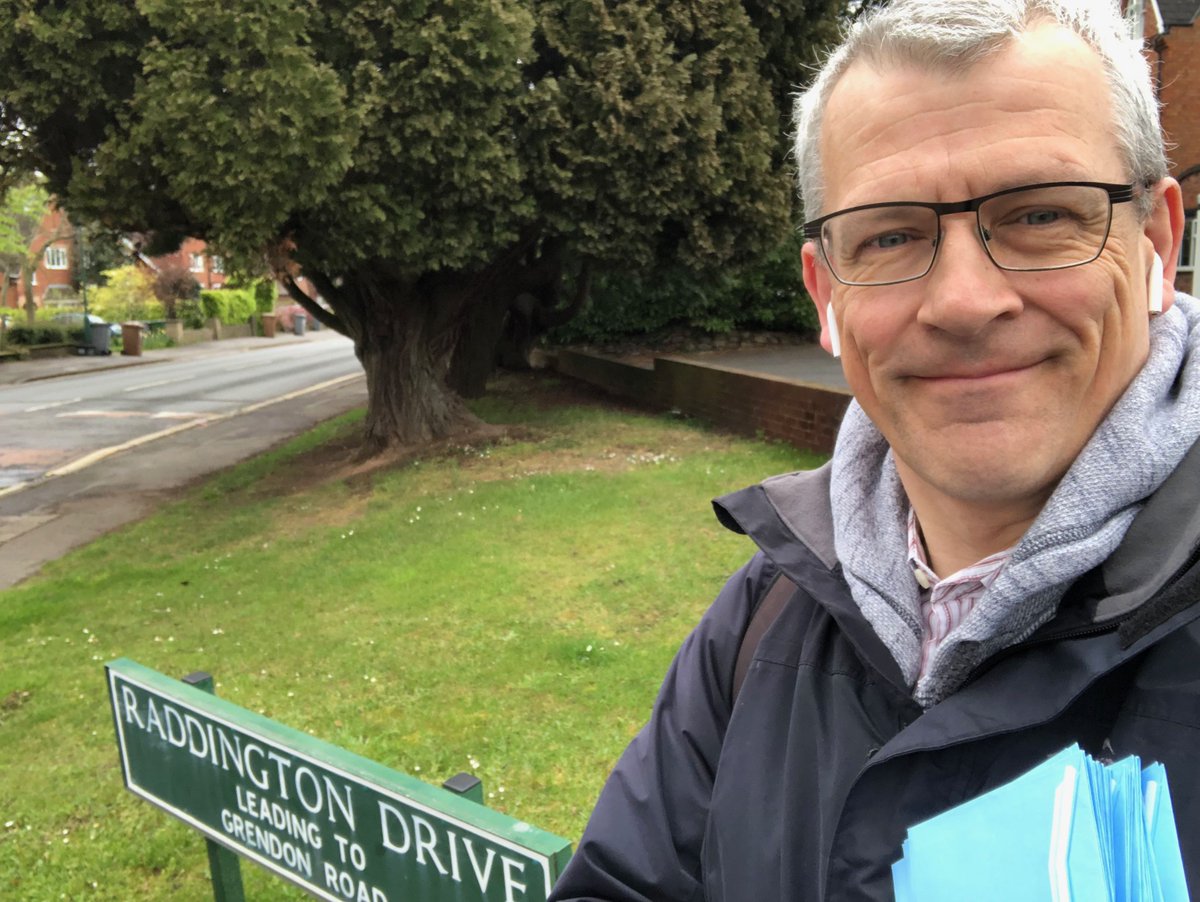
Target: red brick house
x,y
206,268
1172,32
53,276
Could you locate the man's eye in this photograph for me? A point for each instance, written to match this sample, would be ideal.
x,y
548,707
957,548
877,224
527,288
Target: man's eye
x,y
889,240
1037,217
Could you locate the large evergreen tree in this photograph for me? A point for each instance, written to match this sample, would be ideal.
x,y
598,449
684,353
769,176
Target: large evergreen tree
x,y
428,165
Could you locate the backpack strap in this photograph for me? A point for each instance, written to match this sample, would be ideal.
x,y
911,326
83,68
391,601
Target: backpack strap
x,y
769,608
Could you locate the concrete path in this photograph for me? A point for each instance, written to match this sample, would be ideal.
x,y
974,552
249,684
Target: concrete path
x,y
803,362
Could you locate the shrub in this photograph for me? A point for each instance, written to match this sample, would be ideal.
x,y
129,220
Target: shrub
x,y
190,312
37,334
768,294
232,306
128,295
264,295
173,284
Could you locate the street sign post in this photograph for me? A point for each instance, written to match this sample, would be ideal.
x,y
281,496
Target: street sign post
x,y
337,824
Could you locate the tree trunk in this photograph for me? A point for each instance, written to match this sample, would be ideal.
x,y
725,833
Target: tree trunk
x,y
30,303
404,335
474,355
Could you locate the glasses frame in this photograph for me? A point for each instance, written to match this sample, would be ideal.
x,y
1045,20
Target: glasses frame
x,y
1117,194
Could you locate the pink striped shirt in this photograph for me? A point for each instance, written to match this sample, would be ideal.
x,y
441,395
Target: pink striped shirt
x,y
945,603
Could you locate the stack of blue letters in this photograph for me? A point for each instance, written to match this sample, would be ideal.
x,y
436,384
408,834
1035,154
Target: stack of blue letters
x,y
1070,830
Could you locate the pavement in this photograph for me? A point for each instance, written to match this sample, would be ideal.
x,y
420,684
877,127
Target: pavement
x,y
807,362
13,372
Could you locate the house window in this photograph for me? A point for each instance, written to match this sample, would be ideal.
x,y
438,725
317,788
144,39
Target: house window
x,y
197,263
218,264
1135,18
1189,254
56,258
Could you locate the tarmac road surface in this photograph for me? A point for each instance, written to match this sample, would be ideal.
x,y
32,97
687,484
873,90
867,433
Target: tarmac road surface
x,y
83,454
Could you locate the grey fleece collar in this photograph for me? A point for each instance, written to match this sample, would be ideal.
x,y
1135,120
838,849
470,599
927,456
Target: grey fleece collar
x,y
1139,444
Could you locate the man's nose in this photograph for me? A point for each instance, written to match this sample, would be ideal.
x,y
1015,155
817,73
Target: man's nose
x,y
965,291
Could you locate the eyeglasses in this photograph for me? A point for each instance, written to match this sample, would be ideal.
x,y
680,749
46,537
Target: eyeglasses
x,y
1051,225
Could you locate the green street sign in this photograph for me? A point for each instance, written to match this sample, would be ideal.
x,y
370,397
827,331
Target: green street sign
x,y
337,824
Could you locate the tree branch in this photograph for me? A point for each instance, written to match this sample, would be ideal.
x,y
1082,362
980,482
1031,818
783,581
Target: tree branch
x,y
319,313
548,317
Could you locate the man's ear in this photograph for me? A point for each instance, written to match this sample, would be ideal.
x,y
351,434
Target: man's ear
x,y
1164,228
820,289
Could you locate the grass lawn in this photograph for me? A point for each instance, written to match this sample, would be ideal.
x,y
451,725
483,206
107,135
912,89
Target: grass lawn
x,y
505,610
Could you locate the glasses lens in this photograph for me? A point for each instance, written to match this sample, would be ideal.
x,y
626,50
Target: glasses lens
x,y
1046,228
881,245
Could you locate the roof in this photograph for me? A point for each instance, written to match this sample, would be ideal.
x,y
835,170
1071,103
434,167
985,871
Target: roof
x,y
1178,12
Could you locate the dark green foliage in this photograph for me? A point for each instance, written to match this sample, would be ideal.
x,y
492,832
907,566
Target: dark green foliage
x,y
793,33
190,312
428,165
767,295
232,306
37,334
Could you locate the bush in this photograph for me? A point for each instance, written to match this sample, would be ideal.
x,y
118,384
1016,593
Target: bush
x,y
766,295
264,295
190,313
128,295
175,284
232,306
37,334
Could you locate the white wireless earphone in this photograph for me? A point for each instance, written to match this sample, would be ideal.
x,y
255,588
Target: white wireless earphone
x,y
835,344
1154,292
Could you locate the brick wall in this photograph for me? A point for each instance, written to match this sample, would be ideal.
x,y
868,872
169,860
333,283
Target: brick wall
x,y
1175,61
1180,95
625,380
803,415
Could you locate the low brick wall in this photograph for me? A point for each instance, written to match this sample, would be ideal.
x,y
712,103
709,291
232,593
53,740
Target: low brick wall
x,y
244,330
625,380
212,331
799,413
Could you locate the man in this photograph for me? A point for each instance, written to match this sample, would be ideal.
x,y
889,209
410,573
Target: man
x,y
1001,557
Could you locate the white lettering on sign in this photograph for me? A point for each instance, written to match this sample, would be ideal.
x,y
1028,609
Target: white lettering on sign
x,y
275,814
404,833
351,887
268,770
254,836
273,800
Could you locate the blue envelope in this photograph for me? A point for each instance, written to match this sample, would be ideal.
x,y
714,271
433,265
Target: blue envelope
x,y
1069,830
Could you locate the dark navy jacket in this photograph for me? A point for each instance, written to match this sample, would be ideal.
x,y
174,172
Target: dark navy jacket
x,y
803,789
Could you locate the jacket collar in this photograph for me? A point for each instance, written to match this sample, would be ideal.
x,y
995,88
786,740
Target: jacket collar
x,y
789,518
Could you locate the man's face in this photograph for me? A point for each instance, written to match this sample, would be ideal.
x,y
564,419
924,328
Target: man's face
x,y
985,383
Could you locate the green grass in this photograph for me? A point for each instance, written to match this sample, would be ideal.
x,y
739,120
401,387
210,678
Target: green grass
x,y
507,610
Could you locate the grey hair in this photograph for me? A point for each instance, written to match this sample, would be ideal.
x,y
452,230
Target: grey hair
x,y
955,35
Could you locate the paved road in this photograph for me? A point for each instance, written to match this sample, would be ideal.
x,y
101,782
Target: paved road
x,y
79,485
53,425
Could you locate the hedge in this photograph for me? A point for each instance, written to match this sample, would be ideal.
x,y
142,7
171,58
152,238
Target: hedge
x,y
768,294
232,306
38,334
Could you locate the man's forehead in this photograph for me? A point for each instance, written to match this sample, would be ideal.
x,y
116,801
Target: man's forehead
x,y
1036,108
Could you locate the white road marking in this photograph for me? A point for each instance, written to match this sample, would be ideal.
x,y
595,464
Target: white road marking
x,y
52,405
110,414
156,384
101,454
